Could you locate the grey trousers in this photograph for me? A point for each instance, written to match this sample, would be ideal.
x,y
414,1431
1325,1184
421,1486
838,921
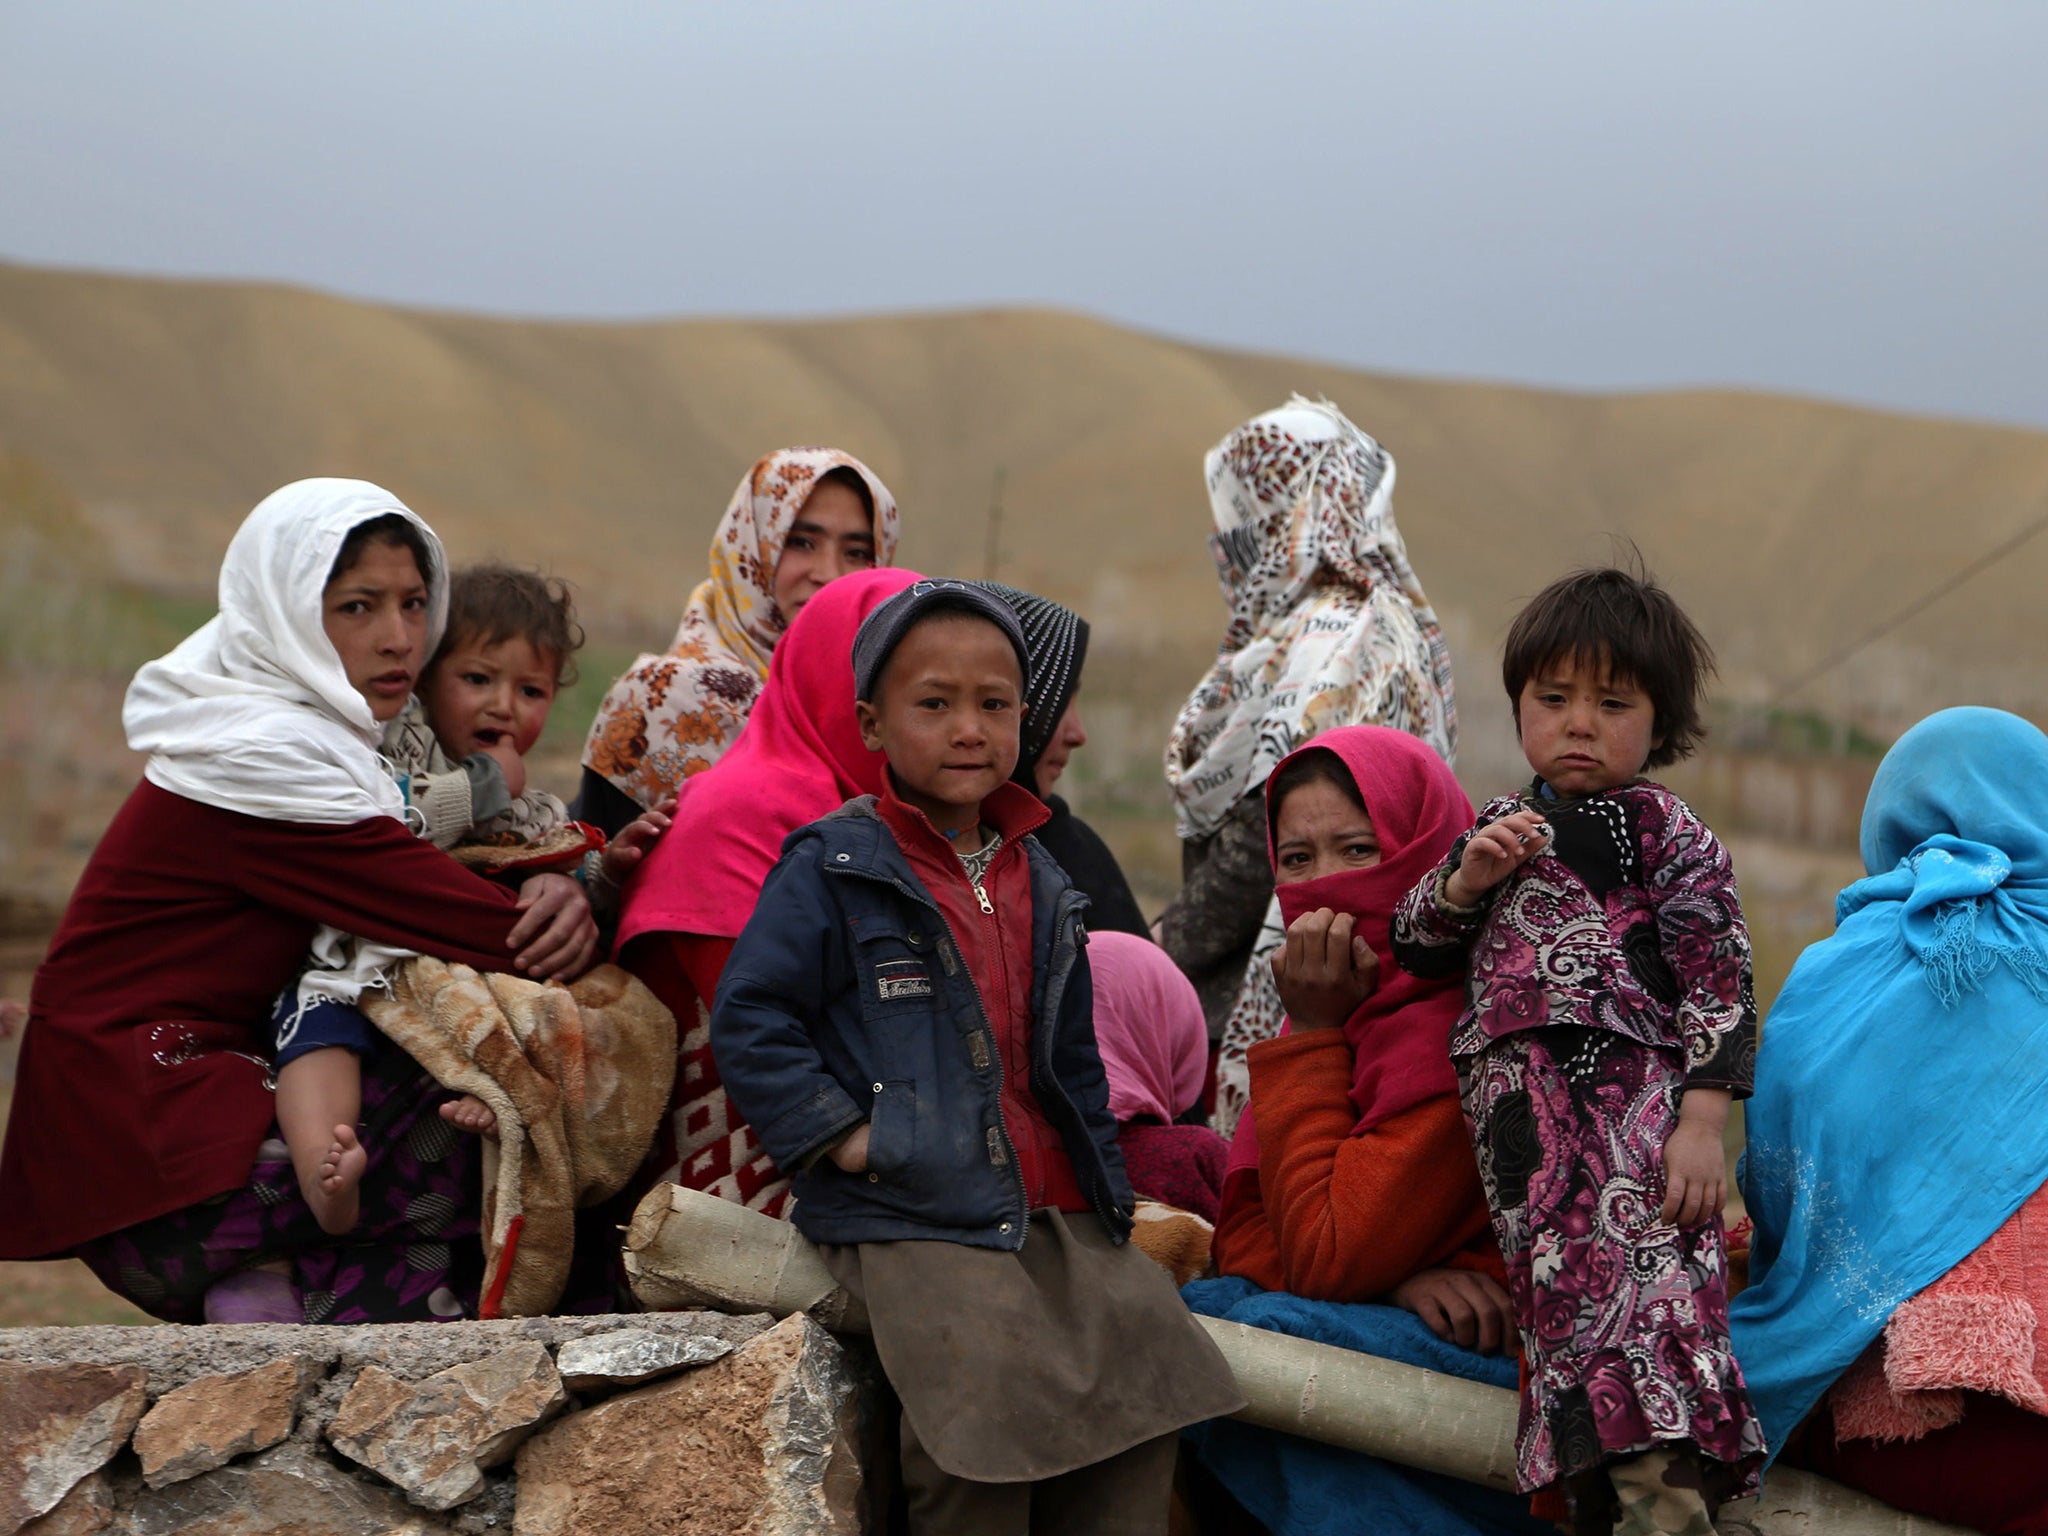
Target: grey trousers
x,y
1127,1495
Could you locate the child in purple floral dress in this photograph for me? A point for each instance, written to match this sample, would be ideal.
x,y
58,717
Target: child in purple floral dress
x,y
1609,1021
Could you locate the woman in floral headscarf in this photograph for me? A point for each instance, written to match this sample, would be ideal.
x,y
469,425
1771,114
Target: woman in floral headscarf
x,y
1328,627
801,517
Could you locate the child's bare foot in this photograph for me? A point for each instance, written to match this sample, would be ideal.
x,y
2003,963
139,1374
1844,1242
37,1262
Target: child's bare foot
x,y
333,1194
470,1113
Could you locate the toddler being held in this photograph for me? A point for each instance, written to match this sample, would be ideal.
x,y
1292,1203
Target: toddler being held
x,y
458,749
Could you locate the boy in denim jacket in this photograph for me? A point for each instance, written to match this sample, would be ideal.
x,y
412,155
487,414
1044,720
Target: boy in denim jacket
x,y
907,1024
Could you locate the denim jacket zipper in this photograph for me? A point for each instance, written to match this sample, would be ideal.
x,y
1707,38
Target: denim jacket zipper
x,y
1022,1219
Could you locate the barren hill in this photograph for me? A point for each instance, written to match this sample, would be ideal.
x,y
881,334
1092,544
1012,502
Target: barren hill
x,y
607,451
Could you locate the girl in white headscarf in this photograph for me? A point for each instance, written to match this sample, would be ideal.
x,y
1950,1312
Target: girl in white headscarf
x,y
143,1137
1328,627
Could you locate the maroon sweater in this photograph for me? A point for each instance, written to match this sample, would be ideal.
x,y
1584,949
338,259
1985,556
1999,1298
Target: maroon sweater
x,y
140,1088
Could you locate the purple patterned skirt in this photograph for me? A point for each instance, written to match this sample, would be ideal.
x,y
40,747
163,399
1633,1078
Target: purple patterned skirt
x,y
413,1257
1624,1319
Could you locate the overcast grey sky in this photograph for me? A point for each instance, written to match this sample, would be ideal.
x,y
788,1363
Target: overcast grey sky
x,y
1836,197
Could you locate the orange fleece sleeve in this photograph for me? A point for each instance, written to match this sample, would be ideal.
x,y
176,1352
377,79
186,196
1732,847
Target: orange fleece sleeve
x,y
1244,1243
1348,1218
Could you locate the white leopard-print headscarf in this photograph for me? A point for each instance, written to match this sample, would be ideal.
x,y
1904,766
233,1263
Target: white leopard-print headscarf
x,y
1329,626
1328,622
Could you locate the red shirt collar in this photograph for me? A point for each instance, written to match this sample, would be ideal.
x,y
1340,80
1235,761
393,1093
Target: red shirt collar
x,y
1010,808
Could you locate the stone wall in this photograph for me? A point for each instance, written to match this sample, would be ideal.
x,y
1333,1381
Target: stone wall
x,y
683,1424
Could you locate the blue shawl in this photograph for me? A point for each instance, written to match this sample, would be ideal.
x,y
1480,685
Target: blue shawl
x,y
1899,1115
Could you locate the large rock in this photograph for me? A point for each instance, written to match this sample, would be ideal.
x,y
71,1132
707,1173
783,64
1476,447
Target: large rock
x,y
763,1443
59,1424
434,1438
209,1422
289,1491
632,1357
89,1509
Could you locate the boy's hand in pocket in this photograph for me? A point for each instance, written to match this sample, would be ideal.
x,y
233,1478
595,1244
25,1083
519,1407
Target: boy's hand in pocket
x,y
852,1153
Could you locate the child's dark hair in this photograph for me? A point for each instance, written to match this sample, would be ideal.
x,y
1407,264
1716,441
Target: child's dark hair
x,y
391,528
1317,766
491,603
1634,631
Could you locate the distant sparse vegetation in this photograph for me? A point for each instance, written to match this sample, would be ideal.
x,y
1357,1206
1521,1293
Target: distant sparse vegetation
x,y
62,610
1792,733
71,635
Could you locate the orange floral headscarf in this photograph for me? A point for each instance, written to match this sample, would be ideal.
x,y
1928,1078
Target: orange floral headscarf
x,y
673,715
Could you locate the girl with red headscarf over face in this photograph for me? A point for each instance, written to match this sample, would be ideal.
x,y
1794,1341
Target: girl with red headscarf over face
x,y
1352,1177
800,757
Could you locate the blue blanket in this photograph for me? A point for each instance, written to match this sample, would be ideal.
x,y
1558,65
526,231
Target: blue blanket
x,y
1296,1487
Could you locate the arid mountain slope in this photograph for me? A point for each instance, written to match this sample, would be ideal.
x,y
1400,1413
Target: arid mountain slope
x,y
607,451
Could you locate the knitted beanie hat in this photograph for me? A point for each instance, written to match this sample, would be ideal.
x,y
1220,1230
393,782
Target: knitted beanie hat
x,y
1056,639
883,630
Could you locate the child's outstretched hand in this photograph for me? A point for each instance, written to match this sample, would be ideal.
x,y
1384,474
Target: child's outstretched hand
x,y
636,840
12,1016
1324,970
1695,1170
1494,852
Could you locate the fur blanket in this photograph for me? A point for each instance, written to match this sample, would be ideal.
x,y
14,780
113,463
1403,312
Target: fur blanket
x,y
578,1077
1177,1241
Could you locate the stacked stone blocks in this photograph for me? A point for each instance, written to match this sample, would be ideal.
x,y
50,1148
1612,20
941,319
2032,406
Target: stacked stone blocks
x,y
674,1423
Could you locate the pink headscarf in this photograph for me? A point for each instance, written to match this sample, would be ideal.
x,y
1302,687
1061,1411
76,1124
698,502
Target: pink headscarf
x,y
1149,1026
1400,1036
800,757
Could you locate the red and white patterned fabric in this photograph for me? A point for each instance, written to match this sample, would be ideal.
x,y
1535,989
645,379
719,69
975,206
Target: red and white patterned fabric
x,y
701,1142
